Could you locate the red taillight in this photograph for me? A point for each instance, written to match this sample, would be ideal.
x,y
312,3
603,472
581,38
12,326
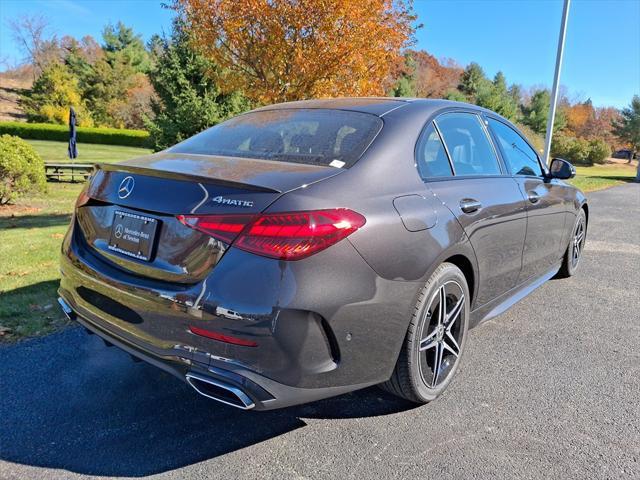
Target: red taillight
x,y
222,227
83,198
288,236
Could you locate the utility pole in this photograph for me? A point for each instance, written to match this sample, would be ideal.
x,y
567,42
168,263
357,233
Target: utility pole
x,y
556,82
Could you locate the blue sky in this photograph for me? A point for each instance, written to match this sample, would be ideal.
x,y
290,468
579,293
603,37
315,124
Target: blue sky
x,y
602,55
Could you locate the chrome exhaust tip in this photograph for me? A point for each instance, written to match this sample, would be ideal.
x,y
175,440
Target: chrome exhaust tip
x,y
216,390
66,309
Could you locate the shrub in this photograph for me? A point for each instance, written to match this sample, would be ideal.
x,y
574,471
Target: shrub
x,y
21,169
599,150
575,150
46,131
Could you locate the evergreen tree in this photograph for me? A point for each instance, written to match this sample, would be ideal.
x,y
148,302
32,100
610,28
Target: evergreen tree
x,y
456,96
627,127
495,96
537,113
472,80
188,99
122,45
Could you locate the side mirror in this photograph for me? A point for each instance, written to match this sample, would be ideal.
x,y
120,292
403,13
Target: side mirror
x,y
562,169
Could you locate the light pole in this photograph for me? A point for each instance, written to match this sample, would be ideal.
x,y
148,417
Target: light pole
x,y
556,81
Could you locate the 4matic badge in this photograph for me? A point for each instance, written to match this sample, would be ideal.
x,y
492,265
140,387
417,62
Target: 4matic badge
x,y
233,202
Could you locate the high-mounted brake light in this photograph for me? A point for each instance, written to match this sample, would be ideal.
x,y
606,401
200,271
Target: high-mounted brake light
x,y
288,236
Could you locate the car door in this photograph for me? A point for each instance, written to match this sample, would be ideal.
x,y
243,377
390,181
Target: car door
x,y
459,164
546,201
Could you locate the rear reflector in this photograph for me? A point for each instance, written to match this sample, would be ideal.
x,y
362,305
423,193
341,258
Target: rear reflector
x,y
221,337
287,236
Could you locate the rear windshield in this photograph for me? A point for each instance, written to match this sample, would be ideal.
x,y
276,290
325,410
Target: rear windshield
x,y
333,138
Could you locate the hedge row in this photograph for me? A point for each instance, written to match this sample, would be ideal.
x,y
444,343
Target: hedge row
x,y
49,131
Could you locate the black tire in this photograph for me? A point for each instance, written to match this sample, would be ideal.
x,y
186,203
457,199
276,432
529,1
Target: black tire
x,y
570,261
416,376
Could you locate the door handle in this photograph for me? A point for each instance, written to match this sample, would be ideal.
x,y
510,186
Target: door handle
x,y
533,197
469,205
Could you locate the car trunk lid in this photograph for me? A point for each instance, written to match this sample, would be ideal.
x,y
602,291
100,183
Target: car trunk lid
x,y
138,200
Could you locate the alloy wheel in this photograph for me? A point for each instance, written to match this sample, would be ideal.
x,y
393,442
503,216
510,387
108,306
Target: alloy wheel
x,y
578,242
442,333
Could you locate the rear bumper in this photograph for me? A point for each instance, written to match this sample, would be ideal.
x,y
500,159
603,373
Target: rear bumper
x,y
323,326
262,393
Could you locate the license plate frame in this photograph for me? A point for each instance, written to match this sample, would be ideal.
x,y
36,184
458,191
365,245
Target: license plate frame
x,y
133,235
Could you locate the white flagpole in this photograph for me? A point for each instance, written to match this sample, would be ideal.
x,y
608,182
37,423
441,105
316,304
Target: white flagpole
x,y
556,82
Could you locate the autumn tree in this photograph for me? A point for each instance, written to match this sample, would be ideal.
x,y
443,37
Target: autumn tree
x,y
297,49
433,78
579,116
404,85
55,90
601,126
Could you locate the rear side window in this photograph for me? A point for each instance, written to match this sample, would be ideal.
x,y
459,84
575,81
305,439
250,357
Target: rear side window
x,y
312,136
519,156
431,157
468,145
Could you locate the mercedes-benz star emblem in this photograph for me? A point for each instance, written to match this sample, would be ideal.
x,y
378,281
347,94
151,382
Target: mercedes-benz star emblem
x,y
119,230
126,187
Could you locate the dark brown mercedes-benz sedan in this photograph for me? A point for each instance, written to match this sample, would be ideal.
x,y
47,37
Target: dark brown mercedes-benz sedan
x,y
308,249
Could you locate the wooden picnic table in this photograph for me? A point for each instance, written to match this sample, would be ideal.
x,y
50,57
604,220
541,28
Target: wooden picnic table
x,y
68,171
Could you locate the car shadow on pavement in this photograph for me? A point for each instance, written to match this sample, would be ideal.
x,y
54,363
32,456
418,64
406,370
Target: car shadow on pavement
x,y
71,403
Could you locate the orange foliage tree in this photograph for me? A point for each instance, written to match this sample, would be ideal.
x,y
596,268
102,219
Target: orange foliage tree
x,y
282,50
579,116
433,78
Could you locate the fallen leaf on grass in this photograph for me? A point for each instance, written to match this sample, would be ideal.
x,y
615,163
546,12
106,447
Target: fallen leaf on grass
x,y
16,273
57,235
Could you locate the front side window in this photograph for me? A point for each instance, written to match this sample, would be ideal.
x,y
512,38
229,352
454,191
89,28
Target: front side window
x,y
324,137
519,156
468,145
431,157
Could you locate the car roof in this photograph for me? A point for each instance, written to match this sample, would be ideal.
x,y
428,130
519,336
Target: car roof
x,y
379,106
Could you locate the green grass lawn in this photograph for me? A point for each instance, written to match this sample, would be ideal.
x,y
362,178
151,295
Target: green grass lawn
x,y
589,179
56,152
30,235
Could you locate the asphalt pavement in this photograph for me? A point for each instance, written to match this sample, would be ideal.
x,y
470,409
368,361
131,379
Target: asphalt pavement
x,y
550,389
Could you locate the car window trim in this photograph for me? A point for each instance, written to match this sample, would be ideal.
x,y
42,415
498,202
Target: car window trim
x,y
444,144
418,145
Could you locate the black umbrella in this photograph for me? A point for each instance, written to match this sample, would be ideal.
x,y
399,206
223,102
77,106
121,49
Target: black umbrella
x,y
73,148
